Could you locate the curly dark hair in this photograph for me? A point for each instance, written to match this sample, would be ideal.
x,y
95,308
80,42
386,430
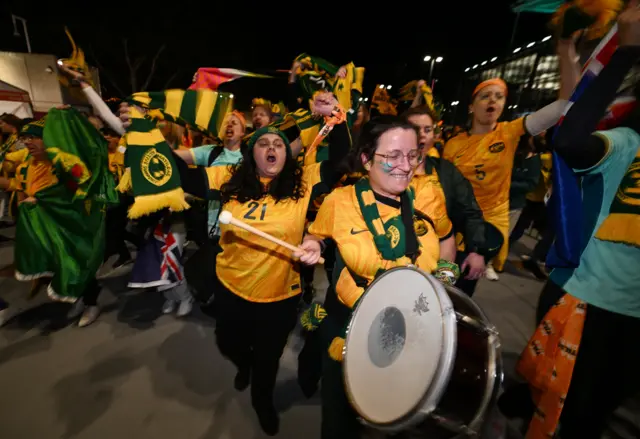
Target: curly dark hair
x,y
368,141
245,185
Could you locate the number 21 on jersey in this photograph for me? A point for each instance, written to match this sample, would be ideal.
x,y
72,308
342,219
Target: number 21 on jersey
x,y
253,206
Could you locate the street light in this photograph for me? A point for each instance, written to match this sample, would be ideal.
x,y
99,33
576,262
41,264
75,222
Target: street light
x,y
433,60
16,33
388,87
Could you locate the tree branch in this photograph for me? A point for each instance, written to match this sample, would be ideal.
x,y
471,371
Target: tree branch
x,y
170,80
107,73
152,70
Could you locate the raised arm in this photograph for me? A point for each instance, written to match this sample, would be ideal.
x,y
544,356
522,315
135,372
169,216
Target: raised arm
x,y
548,116
574,141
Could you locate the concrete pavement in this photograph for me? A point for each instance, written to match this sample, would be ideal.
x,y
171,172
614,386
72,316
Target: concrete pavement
x,y
138,374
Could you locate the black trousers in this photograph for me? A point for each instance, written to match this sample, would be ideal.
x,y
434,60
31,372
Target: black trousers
x,y
116,230
91,292
339,420
606,371
254,335
532,213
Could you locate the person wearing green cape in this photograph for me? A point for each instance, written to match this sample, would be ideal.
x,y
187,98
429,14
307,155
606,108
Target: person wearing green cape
x,y
63,185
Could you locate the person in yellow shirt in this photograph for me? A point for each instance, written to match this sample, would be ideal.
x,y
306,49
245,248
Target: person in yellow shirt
x,y
485,153
259,283
376,227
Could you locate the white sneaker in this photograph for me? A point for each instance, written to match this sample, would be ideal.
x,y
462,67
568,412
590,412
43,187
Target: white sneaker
x,y
76,309
89,316
185,307
169,306
490,273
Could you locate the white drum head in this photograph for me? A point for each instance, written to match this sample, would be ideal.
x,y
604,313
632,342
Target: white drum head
x,y
396,341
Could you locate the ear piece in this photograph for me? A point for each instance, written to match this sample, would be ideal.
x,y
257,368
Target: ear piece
x,y
367,166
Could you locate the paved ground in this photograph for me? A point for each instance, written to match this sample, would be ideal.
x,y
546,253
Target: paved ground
x,y
138,374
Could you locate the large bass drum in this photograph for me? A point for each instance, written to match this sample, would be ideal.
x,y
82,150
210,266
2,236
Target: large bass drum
x,y
421,358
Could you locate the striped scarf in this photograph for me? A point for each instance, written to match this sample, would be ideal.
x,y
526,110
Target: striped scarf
x,y
151,173
320,74
566,200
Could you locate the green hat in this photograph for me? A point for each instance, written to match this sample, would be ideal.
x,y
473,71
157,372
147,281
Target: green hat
x,y
35,129
268,130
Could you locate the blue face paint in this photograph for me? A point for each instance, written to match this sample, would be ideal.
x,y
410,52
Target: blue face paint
x,y
386,167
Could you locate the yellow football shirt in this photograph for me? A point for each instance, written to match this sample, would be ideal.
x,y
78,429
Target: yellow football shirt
x,y
250,266
544,184
430,200
340,218
486,160
30,177
116,164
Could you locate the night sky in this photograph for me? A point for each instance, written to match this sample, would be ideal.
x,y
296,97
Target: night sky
x,y
390,41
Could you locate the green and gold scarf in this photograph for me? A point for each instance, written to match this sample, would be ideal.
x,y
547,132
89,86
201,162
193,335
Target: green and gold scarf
x,y
623,223
320,74
151,172
394,239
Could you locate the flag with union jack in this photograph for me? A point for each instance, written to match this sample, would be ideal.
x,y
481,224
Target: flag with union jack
x,y
159,260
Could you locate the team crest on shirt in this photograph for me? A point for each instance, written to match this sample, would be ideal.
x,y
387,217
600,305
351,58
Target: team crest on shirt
x,y
420,226
497,147
394,236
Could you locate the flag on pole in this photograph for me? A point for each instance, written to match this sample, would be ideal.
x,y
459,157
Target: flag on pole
x,y
211,77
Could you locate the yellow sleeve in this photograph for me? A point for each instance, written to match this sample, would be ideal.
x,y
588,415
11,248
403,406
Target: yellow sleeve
x,y
217,176
13,159
311,175
513,131
322,226
347,290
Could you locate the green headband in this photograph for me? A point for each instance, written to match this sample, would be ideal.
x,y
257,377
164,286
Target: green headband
x,y
268,130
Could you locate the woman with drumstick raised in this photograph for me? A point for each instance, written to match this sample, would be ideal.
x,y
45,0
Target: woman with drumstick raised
x,y
259,280
376,228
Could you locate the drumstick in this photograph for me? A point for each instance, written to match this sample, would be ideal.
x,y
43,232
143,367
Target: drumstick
x,y
227,218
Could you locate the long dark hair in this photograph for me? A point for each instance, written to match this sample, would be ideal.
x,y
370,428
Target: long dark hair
x,y
367,143
245,185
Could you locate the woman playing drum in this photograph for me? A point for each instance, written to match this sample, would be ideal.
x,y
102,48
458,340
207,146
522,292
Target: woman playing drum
x,y
375,228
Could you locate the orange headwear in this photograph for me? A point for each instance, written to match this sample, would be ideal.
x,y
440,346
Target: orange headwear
x,y
493,81
240,117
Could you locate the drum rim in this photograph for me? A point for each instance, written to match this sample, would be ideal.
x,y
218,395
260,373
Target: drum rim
x,y
438,387
495,370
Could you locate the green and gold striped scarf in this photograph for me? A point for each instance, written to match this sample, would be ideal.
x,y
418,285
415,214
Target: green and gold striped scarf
x,y
151,173
389,237
320,74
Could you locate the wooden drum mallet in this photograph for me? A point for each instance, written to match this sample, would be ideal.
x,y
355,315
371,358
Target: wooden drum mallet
x,y
227,218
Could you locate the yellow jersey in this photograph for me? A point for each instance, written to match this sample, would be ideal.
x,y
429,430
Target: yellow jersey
x,y
116,164
30,177
544,184
486,160
340,218
431,201
252,267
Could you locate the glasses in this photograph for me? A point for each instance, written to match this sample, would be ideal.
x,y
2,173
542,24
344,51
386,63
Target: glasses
x,y
396,158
